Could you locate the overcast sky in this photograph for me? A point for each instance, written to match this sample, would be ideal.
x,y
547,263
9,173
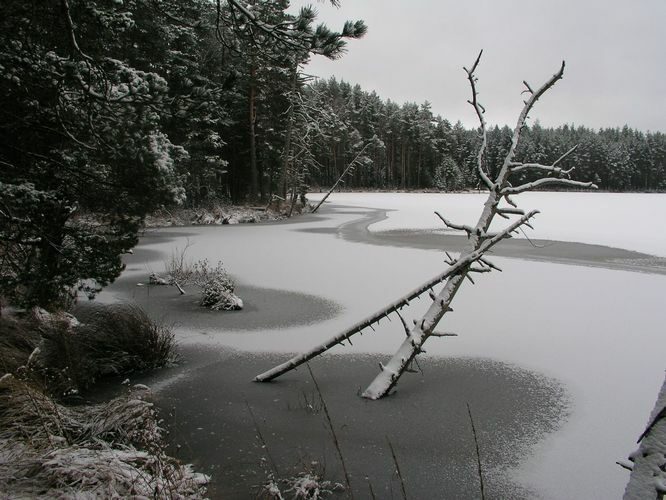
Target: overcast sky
x,y
615,53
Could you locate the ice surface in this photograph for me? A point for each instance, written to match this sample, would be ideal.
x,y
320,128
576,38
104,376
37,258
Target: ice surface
x,y
625,220
601,332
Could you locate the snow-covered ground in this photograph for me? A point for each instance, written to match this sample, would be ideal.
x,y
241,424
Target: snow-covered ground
x,y
625,220
598,331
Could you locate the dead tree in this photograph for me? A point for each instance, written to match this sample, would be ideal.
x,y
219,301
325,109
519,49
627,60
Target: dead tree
x,y
348,170
471,260
648,462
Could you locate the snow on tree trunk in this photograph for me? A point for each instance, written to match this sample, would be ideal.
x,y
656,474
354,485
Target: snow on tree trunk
x,y
648,475
394,307
471,260
424,328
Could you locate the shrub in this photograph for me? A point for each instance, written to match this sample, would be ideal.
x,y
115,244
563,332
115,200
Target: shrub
x,y
109,340
217,288
218,294
66,355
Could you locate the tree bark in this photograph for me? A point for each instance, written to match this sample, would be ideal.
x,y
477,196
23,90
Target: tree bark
x,y
284,174
254,175
648,475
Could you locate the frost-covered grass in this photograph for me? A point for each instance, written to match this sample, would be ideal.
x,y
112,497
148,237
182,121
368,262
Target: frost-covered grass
x,y
71,354
17,341
110,450
306,485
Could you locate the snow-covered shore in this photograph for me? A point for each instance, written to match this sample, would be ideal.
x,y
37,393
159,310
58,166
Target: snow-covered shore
x,y
221,214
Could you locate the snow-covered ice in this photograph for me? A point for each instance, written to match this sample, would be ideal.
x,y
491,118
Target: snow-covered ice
x,y
625,220
599,331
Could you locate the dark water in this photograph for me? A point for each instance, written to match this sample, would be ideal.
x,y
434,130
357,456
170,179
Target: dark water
x,y
426,422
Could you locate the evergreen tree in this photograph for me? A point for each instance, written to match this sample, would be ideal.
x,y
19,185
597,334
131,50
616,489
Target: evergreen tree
x,y
80,135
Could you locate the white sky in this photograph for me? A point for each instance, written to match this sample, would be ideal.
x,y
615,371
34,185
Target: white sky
x,y
615,52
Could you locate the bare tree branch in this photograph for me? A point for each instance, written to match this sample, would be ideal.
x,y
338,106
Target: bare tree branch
x,y
479,112
64,4
552,168
547,181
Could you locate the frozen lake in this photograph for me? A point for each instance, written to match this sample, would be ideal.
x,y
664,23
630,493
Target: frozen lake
x,y
596,329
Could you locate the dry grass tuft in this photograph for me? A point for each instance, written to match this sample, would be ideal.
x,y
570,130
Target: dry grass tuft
x,y
67,355
111,450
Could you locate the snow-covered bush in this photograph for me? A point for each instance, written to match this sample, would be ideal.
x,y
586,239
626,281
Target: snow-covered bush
x,y
217,288
306,485
218,294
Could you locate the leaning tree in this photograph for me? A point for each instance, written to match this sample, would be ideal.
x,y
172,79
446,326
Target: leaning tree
x,y
472,259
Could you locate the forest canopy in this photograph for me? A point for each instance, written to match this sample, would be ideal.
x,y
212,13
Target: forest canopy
x,y
112,108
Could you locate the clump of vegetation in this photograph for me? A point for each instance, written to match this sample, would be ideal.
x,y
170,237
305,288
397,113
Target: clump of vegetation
x,y
65,355
305,485
217,287
218,294
111,340
110,450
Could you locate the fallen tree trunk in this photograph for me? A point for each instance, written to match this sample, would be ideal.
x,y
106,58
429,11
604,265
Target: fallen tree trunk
x,y
455,269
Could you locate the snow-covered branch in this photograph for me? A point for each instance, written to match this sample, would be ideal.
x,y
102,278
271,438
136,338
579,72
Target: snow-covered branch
x,y
522,118
552,168
458,227
480,110
478,231
504,212
547,181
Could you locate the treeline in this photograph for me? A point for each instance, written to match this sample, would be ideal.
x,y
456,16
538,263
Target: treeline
x,y
407,147
112,108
